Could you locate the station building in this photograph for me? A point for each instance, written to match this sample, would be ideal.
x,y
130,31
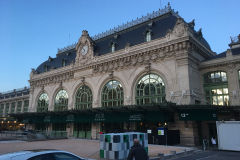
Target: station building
x,y
156,71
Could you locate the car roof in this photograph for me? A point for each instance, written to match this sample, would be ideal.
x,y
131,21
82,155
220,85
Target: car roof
x,y
30,153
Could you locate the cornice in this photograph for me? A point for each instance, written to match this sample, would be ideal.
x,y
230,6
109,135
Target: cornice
x,y
200,47
225,61
142,54
14,98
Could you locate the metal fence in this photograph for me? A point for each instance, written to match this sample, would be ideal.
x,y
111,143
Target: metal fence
x,y
31,136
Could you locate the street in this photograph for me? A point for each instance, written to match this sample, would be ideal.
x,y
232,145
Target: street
x,y
212,155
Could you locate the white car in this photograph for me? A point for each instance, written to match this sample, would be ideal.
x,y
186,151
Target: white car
x,y
41,154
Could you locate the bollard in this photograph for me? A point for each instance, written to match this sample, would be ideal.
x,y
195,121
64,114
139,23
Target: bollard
x,y
173,153
185,151
161,156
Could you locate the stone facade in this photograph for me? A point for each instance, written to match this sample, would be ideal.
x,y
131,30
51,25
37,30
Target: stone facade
x,y
179,58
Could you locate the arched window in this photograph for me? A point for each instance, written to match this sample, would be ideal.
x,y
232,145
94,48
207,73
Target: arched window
x,y
112,94
19,106
83,98
63,62
12,107
1,110
43,102
148,36
150,88
113,47
6,110
61,101
216,88
26,105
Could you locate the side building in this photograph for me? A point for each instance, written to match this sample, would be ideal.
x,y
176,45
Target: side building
x,y
156,71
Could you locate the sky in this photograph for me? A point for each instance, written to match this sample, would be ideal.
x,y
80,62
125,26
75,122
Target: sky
x,y
33,30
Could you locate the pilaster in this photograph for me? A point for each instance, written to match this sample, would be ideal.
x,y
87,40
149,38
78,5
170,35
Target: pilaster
x,y
22,106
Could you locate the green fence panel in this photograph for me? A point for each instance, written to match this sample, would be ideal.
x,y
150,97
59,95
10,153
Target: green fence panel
x,y
88,134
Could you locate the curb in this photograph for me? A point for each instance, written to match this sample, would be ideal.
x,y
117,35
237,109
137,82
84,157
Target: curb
x,y
174,154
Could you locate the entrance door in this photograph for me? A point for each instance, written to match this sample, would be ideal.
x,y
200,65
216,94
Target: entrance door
x,y
57,127
212,131
82,130
41,127
112,127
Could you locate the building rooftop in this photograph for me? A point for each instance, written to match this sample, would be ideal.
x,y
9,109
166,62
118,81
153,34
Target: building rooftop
x,y
130,33
15,93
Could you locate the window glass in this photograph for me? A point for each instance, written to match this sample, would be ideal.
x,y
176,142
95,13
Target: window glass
x,y
42,157
43,102
216,88
148,37
220,100
214,100
65,156
112,94
226,100
219,91
63,63
150,89
225,90
83,98
113,47
61,101
224,76
217,74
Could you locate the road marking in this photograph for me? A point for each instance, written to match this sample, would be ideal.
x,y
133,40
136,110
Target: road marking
x,y
208,156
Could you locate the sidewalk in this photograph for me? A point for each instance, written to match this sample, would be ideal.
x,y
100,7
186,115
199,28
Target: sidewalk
x,y
81,147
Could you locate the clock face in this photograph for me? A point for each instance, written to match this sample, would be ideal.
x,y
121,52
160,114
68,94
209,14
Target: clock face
x,y
84,50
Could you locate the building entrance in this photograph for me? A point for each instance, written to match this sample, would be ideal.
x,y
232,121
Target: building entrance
x,y
212,131
82,130
112,127
40,127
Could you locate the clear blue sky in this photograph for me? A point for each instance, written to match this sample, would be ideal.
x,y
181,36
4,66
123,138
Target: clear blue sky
x,y
32,30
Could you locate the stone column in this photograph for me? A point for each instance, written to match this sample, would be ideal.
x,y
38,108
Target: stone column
x,y
22,106
16,105
10,107
4,107
95,130
233,83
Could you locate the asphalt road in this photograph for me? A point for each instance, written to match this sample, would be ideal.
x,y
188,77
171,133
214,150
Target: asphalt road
x,y
212,155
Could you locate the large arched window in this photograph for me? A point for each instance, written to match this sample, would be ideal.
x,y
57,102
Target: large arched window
x,y
112,94
43,102
216,88
150,88
61,101
83,98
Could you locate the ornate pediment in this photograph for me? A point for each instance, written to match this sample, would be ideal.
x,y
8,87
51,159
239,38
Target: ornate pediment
x,y
180,29
84,48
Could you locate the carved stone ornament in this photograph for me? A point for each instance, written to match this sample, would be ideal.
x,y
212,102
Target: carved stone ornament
x,y
42,88
128,99
95,102
83,80
179,30
150,22
60,84
85,43
111,75
148,68
116,35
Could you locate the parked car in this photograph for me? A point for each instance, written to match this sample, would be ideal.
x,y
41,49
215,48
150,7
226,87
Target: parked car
x,y
40,154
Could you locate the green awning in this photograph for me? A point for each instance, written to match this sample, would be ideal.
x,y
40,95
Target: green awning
x,y
147,116
8,119
197,115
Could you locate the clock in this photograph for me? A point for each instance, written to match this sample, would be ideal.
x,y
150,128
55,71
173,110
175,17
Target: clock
x,y
84,50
